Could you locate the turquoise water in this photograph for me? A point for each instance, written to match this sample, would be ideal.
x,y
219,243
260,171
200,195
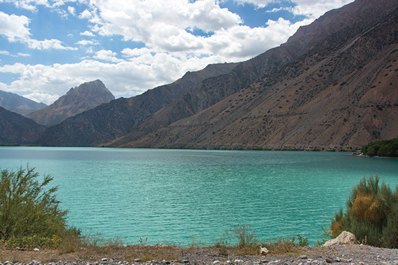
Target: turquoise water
x,y
193,196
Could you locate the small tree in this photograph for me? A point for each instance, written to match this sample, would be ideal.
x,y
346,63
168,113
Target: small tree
x,y
28,208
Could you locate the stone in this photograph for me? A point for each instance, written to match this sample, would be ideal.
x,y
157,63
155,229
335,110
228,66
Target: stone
x,y
329,260
216,262
303,257
343,239
264,251
36,250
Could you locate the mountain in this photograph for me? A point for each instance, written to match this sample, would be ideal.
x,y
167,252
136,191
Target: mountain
x,y
16,129
338,92
141,114
331,85
19,104
78,99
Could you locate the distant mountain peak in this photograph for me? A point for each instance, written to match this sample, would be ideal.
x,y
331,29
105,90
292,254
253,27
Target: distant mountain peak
x,y
78,99
18,104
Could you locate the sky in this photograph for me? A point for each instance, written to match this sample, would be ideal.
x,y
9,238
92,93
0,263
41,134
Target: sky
x,y
50,46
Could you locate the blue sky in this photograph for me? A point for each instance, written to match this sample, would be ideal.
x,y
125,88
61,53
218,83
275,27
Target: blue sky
x,y
49,46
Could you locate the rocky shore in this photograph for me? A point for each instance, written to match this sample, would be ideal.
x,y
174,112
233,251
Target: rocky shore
x,y
338,254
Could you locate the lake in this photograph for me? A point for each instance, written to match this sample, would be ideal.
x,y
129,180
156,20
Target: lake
x,y
186,197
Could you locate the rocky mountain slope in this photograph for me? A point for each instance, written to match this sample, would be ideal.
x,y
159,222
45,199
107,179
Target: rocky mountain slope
x,y
16,129
141,114
19,104
339,90
331,85
79,99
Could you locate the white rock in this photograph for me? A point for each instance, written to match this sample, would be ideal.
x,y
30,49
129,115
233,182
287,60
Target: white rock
x,y
264,251
343,239
36,249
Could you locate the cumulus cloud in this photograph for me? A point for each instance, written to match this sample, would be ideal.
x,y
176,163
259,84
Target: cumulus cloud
x,y
47,44
16,29
309,8
85,14
314,9
87,33
71,10
107,55
87,42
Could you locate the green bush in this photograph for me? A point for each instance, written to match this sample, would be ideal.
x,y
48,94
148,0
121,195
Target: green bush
x,y
372,214
382,148
29,211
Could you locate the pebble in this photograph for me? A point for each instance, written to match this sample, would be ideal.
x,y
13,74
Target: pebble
x,y
303,257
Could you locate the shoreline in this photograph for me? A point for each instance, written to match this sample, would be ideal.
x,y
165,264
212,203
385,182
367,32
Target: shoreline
x,y
338,254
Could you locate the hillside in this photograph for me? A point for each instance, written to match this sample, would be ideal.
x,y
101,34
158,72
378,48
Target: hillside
x,y
18,104
340,93
79,99
162,105
16,129
332,85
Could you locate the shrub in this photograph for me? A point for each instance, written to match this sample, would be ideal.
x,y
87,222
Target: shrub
x,y
245,236
372,214
382,148
29,211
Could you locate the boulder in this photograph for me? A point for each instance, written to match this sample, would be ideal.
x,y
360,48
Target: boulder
x,y
263,251
343,239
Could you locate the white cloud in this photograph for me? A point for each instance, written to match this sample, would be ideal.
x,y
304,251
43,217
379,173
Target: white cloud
x,y
21,54
87,42
71,10
87,34
15,29
136,52
309,8
107,55
7,53
257,3
314,9
85,14
47,44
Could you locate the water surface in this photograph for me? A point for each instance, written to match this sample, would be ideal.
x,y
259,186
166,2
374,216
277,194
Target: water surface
x,y
195,196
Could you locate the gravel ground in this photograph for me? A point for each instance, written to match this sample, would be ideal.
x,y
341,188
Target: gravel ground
x,y
349,254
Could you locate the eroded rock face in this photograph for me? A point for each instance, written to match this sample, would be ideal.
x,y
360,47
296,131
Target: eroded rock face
x,y
345,238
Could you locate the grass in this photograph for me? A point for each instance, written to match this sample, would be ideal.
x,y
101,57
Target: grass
x,y
94,249
149,253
